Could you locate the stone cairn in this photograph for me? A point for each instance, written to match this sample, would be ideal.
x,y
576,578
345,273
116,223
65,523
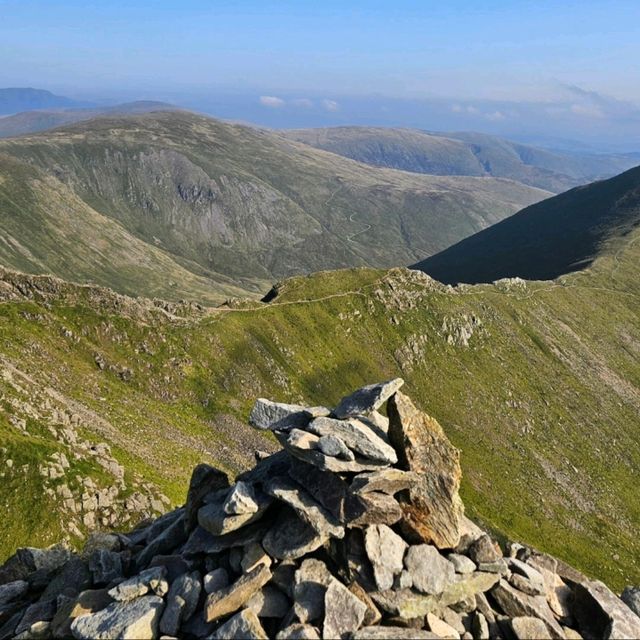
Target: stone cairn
x,y
353,530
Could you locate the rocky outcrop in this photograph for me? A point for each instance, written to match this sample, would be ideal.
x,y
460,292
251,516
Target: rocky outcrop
x,y
314,544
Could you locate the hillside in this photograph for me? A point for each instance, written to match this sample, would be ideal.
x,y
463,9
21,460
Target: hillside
x,y
15,99
562,234
516,373
43,119
222,201
465,154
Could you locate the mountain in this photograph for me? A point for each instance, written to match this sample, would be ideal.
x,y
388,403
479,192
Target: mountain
x,y
13,100
42,120
177,205
468,154
557,236
108,402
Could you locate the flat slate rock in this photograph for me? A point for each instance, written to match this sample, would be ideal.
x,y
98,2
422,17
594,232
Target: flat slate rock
x,y
389,481
333,446
385,549
153,579
373,508
278,416
367,399
203,541
13,590
393,633
243,626
311,582
344,611
181,602
357,436
216,520
430,572
290,537
526,628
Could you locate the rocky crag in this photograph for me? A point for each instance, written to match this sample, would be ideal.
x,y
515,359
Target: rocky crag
x,y
353,530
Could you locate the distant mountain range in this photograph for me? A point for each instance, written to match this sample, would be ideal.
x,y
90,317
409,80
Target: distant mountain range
x,y
546,240
468,154
14,100
174,204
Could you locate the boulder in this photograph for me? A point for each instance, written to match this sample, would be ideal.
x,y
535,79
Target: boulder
x,y
137,620
298,632
430,572
213,518
389,481
433,508
631,597
269,602
241,499
216,580
291,537
367,399
202,541
311,582
242,626
34,616
344,612
86,602
372,614
373,508
278,416
182,601
528,628
204,480
105,566
385,549
148,580
480,626
253,555
13,590
441,628
484,550
461,563
229,599
335,447
168,540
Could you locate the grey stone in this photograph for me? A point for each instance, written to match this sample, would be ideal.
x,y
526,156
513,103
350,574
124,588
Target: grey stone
x,y
308,509
332,445
203,541
431,573
253,555
86,602
484,549
242,626
469,532
367,399
497,566
373,508
600,614
241,499
284,577
175,565
480,626
276,464
385,549
137,619
229,599
357,436
168,540
525,585
153,579
105,566
278,416
42,611
461,563
216,580
213,518
393,633
291,537
631,597
527,627
25,561
13,590
388,481
182,601
518,604
269,602
372,614
69,579
311,582
298,632
204,480
344,612
304,445
441,628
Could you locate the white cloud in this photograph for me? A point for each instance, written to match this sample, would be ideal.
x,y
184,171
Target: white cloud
x,y
330,105
587,111
271,101
303,102
457,108
495,116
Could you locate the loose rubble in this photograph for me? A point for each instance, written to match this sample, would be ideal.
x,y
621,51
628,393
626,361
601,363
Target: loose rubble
x,y
355,530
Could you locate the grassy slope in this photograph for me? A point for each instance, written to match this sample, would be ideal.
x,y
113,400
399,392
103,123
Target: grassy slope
x,y
248,204
540,242
543,401
470,154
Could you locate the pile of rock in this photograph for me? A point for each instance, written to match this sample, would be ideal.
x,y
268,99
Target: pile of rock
x,y
353,530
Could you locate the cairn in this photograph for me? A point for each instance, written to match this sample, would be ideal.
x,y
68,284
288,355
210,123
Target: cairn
x,y
354,530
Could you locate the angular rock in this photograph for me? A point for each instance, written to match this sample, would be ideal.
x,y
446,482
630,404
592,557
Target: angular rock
x,y
204,480
357,436
100,540
148,580
86,602
389,481
202,541
367,399
517,604
469,533
175,565
312,512
484,550
298,632
461,563
137,620
372,614
235,596
344,612
241,499
335,447
433,509
559,595
497,566
269,602
38,612
278,416
600,614
69,579
216,580
182,601
213,518
13,590
243,626
170,538
24,562
304,446
276,464
430,572
311,582
527,627
385,549
631,597
441,628
393,633
525,585
291,537
105,566
373,508
254,555
480,627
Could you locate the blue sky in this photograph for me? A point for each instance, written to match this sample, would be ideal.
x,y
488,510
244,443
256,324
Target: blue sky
x,y
468,53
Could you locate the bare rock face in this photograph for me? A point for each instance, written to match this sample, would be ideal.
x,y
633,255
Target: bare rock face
x,y
433,509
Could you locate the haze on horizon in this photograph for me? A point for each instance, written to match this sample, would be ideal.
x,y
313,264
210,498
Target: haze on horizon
x,y
544,71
